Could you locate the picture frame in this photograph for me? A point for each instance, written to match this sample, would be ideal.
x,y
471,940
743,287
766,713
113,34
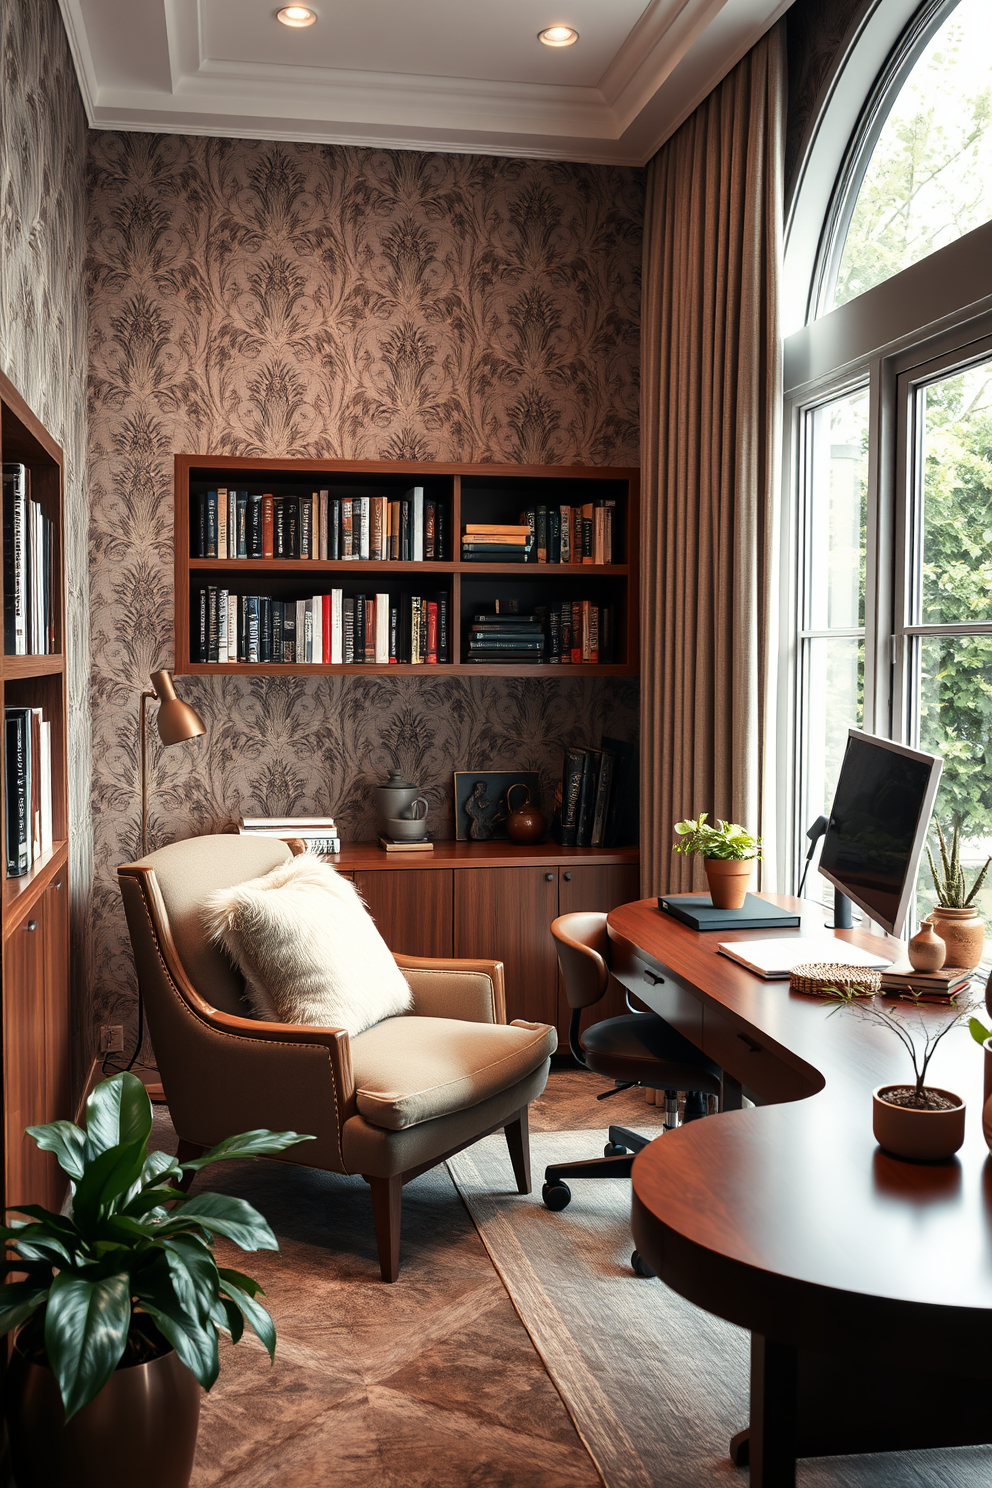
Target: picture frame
x,y
496,783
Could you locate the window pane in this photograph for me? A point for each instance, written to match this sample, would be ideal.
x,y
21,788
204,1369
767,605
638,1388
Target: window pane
x,y
956,464
833,686
837,511
929,180
956,722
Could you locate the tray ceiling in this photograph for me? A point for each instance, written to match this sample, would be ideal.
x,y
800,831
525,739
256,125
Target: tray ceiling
x,y
452,75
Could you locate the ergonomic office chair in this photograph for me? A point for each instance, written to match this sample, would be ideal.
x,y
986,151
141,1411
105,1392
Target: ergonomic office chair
x,y
634,1049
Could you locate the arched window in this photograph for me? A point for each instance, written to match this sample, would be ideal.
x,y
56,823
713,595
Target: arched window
x,y
921,174
887,543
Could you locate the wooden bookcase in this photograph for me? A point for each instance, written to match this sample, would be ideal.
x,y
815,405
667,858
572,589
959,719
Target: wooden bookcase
x,y
472,493
35,1025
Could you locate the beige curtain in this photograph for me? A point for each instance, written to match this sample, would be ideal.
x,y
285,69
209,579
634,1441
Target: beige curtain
x,y
710,440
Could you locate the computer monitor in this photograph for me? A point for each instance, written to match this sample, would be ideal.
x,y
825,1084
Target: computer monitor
x,y
878,826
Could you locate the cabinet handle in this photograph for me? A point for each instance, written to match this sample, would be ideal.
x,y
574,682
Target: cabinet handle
x,y
752,1047
58,883
549,877
567,877
31,925
652,980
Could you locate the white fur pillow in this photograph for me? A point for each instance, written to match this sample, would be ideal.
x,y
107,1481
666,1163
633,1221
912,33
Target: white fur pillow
x,y
308,948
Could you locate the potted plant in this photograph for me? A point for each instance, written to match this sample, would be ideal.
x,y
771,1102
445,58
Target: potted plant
x,y
118,1303
913,1120
956,919
729,854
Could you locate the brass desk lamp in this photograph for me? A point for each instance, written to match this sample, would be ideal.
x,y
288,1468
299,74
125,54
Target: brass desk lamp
x,y
177,722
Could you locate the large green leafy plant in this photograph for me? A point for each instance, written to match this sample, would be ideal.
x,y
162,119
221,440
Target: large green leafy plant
x,y
131,1268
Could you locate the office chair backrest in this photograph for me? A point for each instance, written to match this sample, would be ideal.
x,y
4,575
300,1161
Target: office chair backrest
x,y
583,947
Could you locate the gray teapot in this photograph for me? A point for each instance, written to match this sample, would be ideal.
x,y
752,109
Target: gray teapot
x,y
396,798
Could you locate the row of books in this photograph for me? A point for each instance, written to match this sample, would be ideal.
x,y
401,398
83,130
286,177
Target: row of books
x,y
331,629
319,833
596,799
941,986
547,534
568,633
241,524
28,555
27,785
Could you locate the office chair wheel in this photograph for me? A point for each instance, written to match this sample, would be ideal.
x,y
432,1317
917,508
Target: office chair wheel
x,y
613,1149
556,1195
640,1267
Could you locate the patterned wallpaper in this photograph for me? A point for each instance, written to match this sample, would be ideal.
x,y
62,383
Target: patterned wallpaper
x,y
43,352
253,298
815,31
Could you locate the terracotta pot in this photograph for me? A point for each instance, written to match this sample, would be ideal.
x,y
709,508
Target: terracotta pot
x,y
140,1428
963,932
926,1136
926,950
728,880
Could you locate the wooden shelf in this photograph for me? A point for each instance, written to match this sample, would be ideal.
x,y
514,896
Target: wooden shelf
x,y
32,666
367,856
470,493
20,894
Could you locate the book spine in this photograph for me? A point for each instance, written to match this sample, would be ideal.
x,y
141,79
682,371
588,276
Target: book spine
x,y
243,525
430,510
325,629
323,533
394,631
337,627
198,525
306,526
541,533
211,525
382,629
221,522
254,654
347,527
265,629
376,540
565,516
16,790
348,618
571,793
289,632
268,522
417,523
443,632
432,632
334,535
394,530
292,519
363,527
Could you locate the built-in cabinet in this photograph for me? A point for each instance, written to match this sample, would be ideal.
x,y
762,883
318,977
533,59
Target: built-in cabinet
x,y
496,901
35,1016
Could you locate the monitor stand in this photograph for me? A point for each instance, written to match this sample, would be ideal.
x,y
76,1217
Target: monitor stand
x,y
843,919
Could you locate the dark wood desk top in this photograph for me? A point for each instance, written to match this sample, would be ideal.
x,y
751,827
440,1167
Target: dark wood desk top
x,y
789,1217
369,856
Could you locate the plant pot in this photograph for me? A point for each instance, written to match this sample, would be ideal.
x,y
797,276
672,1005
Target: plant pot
x,y
140,1428
962,931
925,1136
728,880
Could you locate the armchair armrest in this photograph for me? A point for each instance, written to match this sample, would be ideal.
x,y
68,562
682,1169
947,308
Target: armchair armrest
x,y
471,990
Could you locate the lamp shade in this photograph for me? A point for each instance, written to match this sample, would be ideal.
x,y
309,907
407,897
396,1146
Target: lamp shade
x,y
177,721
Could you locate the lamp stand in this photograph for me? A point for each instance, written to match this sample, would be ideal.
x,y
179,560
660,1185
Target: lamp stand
x,y
143,752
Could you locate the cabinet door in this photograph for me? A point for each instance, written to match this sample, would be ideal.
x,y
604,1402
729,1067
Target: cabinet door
x,y
58,1096
411,907
27,1175
599,886
505,914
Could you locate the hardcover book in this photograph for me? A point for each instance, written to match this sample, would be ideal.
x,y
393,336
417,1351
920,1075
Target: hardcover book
x,y
698,912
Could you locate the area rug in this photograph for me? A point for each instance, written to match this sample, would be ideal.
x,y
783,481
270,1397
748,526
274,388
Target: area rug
x,y
655,1386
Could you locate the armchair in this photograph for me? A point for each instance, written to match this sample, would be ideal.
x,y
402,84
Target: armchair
x,y
401,1097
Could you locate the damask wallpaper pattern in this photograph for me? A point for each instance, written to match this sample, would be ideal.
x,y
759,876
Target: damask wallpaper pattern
x,y
251,298
43,350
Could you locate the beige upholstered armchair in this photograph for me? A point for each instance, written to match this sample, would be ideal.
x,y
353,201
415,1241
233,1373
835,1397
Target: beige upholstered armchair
x,y
389,1104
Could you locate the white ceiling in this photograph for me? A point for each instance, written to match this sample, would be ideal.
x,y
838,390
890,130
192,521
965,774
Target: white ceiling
x,y
453,75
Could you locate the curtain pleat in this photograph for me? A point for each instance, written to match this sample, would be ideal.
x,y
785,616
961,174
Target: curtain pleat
x,y
710,437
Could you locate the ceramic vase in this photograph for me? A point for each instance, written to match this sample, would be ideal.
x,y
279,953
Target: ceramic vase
x,y
728,880
924,1136
962,931
140,1428
926,950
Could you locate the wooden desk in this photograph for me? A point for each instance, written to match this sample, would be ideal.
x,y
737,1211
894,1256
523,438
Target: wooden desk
x,y
866,1281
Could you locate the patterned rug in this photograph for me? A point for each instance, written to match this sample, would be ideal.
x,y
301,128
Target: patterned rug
x,y
655,1386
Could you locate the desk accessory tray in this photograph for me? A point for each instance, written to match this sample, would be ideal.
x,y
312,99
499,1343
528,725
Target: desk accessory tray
x,y
698,912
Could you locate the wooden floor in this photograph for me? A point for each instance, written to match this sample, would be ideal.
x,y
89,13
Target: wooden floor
x,y
430,1383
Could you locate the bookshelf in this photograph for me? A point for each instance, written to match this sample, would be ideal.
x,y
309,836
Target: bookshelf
x,y
469,494
35,1026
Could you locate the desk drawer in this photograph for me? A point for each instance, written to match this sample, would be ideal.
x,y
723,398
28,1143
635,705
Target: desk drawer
x,y
766,1079
658,989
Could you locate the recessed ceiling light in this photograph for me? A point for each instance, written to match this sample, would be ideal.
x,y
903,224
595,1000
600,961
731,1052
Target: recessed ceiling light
x,y
558,35
296,15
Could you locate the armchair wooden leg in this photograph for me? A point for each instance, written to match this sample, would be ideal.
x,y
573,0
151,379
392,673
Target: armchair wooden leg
x,y
186,1152
387,1208
517,1133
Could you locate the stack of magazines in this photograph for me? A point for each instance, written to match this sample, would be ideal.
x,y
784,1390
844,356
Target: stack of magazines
x,y
319,833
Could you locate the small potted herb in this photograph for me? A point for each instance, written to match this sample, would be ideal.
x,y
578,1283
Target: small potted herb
x,y
956,919
118,1303
914,1120
729,854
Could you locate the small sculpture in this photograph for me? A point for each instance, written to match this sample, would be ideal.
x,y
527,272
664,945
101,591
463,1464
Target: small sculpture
x,y
484,815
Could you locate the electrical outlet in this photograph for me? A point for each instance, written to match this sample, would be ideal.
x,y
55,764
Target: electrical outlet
x,y
112,1038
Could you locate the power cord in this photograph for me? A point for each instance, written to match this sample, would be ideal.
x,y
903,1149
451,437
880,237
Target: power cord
x,y
108,1068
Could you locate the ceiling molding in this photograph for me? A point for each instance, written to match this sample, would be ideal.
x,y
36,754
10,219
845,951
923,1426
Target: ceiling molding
x,y
674,54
